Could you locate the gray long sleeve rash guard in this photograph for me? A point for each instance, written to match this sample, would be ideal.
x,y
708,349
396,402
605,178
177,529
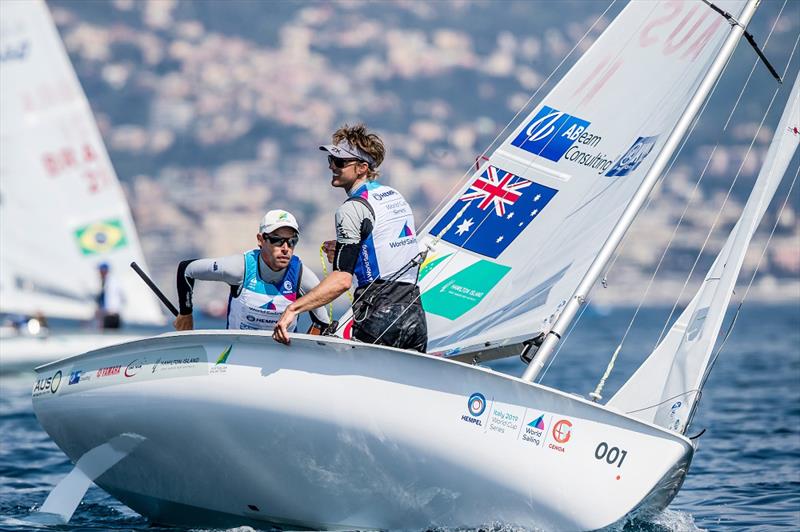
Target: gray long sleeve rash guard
x,y
230,270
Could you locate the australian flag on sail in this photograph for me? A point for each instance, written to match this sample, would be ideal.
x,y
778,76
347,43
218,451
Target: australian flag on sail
x,y
493,211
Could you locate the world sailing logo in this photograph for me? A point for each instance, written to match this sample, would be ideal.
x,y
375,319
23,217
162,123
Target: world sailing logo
x,y
405,237
537,423
551,133
534,431
405,232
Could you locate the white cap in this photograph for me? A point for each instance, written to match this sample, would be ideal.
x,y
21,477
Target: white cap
x,y
344,150
276,219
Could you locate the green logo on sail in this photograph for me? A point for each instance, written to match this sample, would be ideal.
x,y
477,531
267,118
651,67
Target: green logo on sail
x,y
223,357
458,294
101,237
430,263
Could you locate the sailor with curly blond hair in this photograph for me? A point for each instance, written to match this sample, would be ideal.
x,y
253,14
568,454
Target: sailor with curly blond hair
x,y
375,243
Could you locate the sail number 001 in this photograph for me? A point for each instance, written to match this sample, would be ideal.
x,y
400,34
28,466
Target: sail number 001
x,y
611,454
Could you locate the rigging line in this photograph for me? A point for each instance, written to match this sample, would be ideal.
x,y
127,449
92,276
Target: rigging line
x,y
664,175
747,290
610,366
483,155
667,400
672,163
469,172
601,384
563,341
677,154
774,227
755,64
677,300
748,36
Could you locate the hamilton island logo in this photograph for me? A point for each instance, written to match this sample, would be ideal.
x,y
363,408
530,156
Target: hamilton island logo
x,y
220,365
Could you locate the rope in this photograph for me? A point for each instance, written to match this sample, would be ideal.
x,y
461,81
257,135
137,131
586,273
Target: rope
x,y
727,196
469,172
596,394
322,258
752,279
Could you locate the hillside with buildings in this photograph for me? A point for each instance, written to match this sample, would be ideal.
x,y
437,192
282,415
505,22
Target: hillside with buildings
x,y
212,113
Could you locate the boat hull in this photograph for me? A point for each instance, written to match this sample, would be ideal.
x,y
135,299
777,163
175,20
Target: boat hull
x,y
331,434
22,353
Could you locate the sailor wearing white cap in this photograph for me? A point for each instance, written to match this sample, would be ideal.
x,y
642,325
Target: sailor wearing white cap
x,y
264,281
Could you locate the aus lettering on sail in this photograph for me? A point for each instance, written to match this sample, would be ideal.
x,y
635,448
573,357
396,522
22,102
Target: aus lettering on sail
x,y
675,29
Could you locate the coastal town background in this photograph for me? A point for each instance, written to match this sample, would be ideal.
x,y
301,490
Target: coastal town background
x,y
212,112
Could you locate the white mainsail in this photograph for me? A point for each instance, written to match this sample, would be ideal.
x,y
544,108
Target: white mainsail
x,y
528,224
62,209
667,385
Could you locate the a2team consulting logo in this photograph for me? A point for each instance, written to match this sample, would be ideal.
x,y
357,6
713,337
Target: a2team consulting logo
x,y
551,133
476,404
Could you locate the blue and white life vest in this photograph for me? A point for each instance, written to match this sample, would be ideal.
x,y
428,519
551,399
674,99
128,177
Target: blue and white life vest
x,y
259,303
393,241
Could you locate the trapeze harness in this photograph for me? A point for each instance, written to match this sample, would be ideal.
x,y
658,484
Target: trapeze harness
x,y
387,306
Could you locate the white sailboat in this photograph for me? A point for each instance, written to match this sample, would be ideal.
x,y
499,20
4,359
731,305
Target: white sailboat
x,y
226,427
62,209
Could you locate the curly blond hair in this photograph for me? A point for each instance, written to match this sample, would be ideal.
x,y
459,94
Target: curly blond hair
x,y
359,136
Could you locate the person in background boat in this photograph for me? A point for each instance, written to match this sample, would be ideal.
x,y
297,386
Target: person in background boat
x,y
375,242
263,281
110,299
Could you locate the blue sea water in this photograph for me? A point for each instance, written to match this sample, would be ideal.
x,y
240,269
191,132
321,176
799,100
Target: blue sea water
x,y
745,476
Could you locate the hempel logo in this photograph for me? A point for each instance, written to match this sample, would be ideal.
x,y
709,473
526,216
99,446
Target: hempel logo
x,y
378,196
476,405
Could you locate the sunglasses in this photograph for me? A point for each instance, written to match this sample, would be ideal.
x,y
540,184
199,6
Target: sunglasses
x,y
279,241
341,163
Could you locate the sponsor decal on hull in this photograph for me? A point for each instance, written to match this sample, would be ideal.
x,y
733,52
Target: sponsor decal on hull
x,y
150,365
476,406
47,385
222,360
529,427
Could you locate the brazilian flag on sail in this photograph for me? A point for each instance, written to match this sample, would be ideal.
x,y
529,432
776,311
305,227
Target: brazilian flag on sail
x,y
101,237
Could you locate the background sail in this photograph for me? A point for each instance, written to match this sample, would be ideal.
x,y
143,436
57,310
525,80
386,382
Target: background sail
x,y
62,210
665,388
519,236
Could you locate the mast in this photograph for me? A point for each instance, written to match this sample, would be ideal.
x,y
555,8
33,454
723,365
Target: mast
x,y
606,252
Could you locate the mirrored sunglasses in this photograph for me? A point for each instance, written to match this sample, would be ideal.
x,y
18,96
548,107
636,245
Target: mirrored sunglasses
x,y
278,241
341,163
